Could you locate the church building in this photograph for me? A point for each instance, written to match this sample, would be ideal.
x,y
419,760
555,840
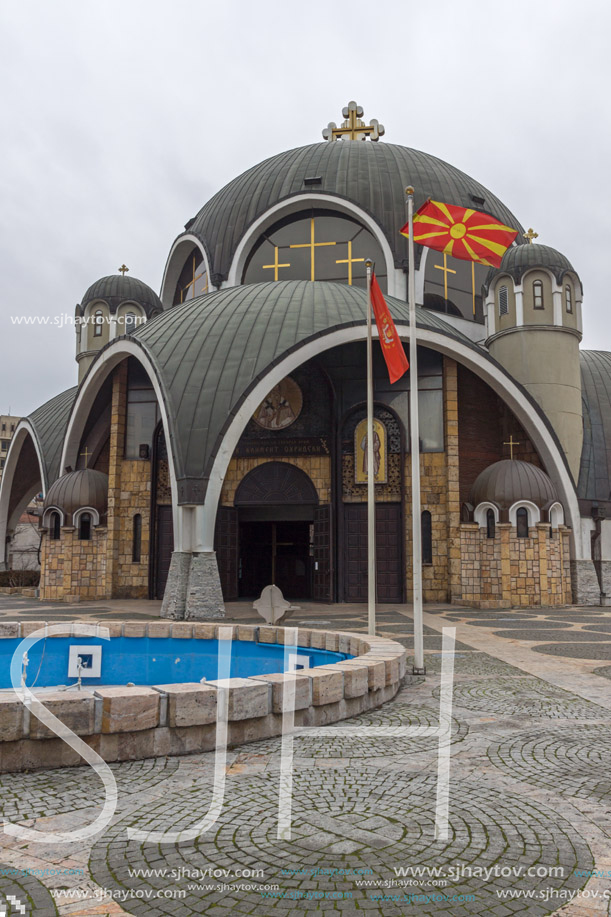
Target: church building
x,y
215,441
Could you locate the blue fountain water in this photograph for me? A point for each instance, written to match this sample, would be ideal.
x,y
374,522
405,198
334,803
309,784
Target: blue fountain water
x,y
150,661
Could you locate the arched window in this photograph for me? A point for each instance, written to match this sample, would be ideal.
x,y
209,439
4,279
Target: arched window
x,y
522,522
503,300
137,539
54,524
98,321
84,527
427,538
490,524
568,298
130,322
538,294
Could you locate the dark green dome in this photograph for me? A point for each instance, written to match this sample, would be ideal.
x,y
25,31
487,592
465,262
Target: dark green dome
x,y
521,258
117,289
372,176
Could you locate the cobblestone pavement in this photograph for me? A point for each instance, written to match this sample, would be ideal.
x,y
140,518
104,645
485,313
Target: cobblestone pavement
x,y
530,796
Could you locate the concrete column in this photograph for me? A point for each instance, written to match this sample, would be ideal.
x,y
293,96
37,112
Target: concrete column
x,y
586,588
204,598
175,595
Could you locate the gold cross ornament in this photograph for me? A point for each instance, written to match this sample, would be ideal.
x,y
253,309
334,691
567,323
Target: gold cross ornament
x,y
511,444
353,128
349,261
87,455
446,270
275,265
123,269
312,245
531,235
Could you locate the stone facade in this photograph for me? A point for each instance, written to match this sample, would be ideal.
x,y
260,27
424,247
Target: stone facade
x,y
508,570
73,570
317,467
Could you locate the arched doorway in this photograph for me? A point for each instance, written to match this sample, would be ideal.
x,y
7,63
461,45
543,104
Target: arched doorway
x,y
276,508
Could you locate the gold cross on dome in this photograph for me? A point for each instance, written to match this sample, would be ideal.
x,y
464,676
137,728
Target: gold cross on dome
x,y
123,269
87,455
446,270
312,245
531,235
511,444
275,265
349,261
353,128
185,290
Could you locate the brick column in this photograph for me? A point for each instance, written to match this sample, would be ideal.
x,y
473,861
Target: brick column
x,y
117,447
450,381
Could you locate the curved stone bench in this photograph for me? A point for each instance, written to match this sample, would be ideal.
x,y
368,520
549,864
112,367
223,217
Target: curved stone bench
x,y
132,723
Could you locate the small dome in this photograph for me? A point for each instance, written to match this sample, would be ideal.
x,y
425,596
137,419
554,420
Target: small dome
x,y
521,258
117,288
77,489
510,480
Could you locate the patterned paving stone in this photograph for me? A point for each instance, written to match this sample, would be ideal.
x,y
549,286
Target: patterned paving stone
x,y
604,671
29,891
581,651
526,696
472,663
575,762
598,628
360,819
394,714
511,623
43,793
563,636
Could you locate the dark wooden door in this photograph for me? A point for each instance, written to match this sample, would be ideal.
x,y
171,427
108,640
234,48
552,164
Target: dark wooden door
x,y
164,548
322,572
226,547
389,552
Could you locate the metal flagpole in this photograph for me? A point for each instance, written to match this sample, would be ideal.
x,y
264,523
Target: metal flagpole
x,y
371,508
414,428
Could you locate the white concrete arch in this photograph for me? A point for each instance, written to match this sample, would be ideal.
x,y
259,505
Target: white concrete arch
x,y
556,515
481,510
98,373
534,513
76,515
513,395
23,431
175,263
396,277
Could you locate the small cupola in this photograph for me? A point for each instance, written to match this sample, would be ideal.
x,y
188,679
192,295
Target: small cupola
x,y
517,492
78,499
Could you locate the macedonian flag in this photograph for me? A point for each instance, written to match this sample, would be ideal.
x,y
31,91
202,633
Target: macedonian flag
x,y
461,232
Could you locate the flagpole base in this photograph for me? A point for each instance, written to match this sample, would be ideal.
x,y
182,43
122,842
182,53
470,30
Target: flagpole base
x,y
416,670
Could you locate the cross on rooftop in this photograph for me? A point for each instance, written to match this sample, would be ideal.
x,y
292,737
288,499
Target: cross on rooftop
x,y
353,128
511,444
123,269
530,235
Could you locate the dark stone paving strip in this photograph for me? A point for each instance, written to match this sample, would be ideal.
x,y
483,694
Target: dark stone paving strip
x,y
563,636
583,651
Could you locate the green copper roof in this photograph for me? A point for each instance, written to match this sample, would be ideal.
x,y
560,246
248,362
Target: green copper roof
x,y
595,473
521,258
370,175
50,422
118,288
212,350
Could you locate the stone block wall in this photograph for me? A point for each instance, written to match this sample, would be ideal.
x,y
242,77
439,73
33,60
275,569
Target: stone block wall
x,y
130,579
507,570
71,569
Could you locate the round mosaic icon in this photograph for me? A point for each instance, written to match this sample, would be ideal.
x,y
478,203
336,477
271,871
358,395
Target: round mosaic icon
x,y
281,407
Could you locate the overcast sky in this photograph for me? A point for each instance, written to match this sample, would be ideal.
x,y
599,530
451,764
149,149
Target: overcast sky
x,y
121,119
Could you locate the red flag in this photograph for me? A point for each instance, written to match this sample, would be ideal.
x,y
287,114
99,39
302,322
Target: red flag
x,y
461,232
392,348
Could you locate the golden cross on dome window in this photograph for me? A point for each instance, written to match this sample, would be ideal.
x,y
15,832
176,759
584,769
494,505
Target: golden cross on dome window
x,y
187,291
275,266
353,127
349,261
312,245
446,270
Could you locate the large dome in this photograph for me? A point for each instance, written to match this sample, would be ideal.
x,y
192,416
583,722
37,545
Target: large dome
x,y
371,175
